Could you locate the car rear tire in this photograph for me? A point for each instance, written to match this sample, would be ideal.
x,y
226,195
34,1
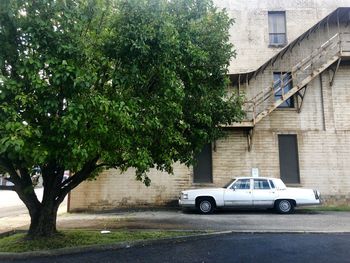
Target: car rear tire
x,y
206,205
284,206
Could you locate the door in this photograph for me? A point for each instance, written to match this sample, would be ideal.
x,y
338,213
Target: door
x,y
239,194
202,171
263,194
289,160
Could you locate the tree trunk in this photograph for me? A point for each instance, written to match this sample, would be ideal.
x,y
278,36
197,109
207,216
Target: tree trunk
x,y
43,221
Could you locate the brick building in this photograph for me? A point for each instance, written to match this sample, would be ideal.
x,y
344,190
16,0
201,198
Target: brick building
x,y
293,64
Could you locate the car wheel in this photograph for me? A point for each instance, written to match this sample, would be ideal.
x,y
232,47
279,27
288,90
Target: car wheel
x,y
206,206
284,206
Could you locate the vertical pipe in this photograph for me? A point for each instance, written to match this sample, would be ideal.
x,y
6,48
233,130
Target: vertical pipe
x,y
322,104
239,83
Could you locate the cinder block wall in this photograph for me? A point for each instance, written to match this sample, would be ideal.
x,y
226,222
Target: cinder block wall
x,y
113,189
322,127
323,133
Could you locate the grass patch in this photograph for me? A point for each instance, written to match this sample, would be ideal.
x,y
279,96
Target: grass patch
x,y
80,238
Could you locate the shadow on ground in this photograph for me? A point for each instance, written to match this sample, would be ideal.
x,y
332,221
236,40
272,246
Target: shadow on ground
x,y
251,211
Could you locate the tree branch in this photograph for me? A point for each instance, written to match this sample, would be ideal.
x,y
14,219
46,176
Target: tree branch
x,y
76,179
25,190
100,165
22,184
25,176
8,167
6,187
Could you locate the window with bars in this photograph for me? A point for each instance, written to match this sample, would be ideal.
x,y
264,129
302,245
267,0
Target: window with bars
x,y
277,28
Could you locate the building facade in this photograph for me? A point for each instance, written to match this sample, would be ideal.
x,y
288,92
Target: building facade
x,y
293,64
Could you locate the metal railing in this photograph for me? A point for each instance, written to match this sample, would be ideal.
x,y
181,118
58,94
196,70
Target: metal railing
x,y
300,73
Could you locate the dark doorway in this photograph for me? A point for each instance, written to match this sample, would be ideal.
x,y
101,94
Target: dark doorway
x,y
202,171
289,160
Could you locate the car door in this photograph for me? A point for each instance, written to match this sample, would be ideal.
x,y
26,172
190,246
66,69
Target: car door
x,y
263,194
239,194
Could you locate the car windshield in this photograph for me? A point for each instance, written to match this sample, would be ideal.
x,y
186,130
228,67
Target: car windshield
x,y
229,183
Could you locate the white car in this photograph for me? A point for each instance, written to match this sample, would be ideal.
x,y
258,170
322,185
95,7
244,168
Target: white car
x,y
246,192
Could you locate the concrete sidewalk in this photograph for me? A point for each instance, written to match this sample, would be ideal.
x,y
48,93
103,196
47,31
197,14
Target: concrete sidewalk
x,y
173,219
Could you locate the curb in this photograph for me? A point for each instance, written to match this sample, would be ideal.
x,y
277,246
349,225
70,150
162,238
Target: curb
x,y
7,233
143,243
99,248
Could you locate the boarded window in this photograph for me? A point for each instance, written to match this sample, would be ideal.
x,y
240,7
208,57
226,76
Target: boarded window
x,y
289,160
282,84
202,171
277,28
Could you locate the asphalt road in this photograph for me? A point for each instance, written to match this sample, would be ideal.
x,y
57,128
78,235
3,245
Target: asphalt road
x,y
257,248
256,220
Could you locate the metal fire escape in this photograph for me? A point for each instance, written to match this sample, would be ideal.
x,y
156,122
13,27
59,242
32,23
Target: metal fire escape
x,y
265,102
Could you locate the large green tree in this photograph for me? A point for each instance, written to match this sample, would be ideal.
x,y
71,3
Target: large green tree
x,y
87,85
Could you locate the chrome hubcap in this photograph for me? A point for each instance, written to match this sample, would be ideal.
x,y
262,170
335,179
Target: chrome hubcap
x,y
205,206
285,206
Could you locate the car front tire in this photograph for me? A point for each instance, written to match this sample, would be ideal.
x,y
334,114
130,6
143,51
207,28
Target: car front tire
x,y
284,206
206,205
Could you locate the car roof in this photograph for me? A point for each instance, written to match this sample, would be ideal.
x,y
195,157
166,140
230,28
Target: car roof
x,y
260,177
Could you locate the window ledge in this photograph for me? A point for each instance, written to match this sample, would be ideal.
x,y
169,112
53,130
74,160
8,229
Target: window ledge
x,y
286,109
294,185
277,45
203,184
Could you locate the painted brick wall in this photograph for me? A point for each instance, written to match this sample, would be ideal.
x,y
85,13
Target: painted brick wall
x,y
113,189
323,143
322,129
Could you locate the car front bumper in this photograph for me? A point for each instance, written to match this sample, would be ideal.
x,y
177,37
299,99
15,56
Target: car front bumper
x,y
187,203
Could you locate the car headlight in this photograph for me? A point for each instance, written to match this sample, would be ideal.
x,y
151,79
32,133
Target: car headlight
x,y
184,196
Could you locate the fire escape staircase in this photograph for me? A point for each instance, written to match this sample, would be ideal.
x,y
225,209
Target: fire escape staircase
x,y
265,102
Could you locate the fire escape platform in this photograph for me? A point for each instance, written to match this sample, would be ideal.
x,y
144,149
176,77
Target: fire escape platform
x,y
242,124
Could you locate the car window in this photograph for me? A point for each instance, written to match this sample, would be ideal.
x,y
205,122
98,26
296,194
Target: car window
x,y
242,184
272,184
261,184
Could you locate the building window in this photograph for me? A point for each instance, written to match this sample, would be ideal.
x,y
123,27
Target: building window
x,y
202,171
277,28
283,79
289,160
